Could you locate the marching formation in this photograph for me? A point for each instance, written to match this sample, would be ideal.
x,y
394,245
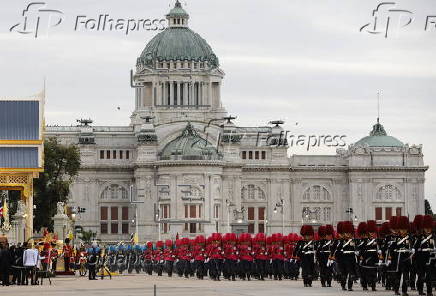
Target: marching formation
x,y
398,255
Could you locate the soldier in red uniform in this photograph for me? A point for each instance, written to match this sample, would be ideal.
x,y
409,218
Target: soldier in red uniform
x,y
169,257
185,256
67,253
245,256
199,255
46,259
148,258
158,257
277,255
260,255
230,256
215,254
54,257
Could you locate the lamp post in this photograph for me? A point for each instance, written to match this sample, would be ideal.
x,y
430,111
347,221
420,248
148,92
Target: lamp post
x,y
280,205
135,202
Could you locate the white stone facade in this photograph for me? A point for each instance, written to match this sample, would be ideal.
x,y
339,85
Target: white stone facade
x,y
252,171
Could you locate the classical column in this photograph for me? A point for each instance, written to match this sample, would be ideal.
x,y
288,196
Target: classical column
x,y
178,93
171,85
28,233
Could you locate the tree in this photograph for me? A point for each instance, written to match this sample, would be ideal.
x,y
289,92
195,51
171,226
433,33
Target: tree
x,y
87,236
61,165
428,210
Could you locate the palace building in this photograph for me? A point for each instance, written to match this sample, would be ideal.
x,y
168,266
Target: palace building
x,y
184,167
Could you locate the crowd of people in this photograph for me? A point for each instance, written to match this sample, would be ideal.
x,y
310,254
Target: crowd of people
x,y
20,264
398,255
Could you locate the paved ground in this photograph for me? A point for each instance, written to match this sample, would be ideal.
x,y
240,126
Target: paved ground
x,y
133,285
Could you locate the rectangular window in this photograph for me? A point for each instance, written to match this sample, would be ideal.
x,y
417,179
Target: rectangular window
x,y
256,155
103,213
165,211
398,211
251,228
216,211
114,154
192,227
125,228
261,212
108,154
261,228
127,154
192,211
114,228
114,213
250,154
199,211
378,214
121,154
186,227
388,213
250,213
165,228
101,154
125,213
244,154
263,154
103,228
186,211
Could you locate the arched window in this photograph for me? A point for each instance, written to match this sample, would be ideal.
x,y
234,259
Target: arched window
x,y
388,193
114,192
252,192
316,193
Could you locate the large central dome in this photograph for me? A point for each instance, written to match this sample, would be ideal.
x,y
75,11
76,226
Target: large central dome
x,y
178,43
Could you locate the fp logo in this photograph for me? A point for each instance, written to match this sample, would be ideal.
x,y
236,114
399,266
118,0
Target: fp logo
x,y
37,19
386,19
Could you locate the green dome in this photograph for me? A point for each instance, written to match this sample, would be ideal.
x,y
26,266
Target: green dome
x,y
379,138
189,146
178,43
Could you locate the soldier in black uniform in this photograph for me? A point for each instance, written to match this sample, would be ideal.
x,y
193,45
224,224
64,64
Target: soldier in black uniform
x,y
345,254
305,252
400,254
323,254
362,233
370,257
424,249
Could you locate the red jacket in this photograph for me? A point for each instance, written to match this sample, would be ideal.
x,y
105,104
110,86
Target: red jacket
x,y
199,253
277,252
245,253
168,255
260,252
230,252
215,252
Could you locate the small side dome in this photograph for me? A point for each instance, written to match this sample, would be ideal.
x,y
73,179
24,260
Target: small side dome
x,y
189,146
379,138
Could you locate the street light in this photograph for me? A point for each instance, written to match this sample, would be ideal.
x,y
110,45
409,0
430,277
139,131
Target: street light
x,y
280,205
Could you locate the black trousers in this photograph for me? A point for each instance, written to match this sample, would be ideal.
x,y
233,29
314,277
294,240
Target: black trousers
x,y
325,273
245,268
200,269
403,273
277,268
229,269
92,272
348,272
368,276
424,273
307,269
5,276
169,267
261,268
215,267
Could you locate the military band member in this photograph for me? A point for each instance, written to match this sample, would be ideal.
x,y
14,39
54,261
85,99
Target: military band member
x,y
424,255
305,252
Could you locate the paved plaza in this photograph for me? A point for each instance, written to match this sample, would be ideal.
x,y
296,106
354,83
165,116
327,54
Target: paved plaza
x,y
127,285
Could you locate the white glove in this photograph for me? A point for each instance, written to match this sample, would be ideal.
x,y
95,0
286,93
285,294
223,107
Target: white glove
x,y
388,262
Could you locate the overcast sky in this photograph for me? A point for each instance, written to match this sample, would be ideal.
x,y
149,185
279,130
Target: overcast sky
x,y
305,62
